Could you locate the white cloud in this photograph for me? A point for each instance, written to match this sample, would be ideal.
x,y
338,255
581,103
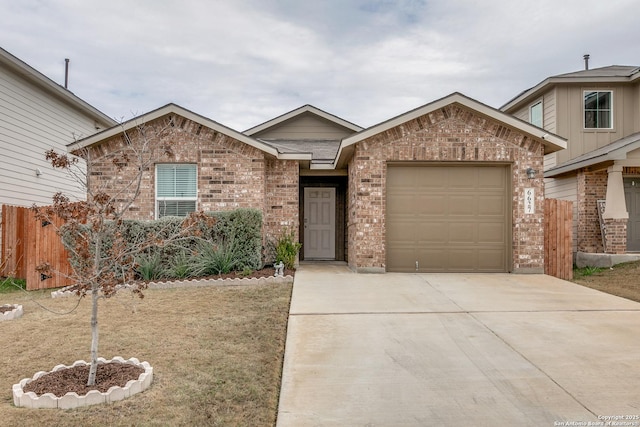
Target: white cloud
x,y
246,61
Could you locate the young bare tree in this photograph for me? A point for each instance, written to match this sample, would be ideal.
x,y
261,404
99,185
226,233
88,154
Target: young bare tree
x,y
94,230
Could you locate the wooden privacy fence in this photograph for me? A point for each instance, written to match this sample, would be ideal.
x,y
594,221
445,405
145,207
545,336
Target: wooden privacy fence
x,y
28,243
558,242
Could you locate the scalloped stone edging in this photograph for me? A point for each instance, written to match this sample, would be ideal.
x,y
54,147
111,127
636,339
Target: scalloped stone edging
x,y
195,283
94,397
12,314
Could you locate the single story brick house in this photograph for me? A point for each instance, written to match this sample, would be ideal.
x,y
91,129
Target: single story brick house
x,y
441,188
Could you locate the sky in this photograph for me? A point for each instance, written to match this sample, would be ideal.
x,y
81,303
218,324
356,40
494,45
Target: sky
x,y
243,62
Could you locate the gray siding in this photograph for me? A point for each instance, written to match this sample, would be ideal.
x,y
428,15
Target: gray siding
x,y
570,118
305,126
33,121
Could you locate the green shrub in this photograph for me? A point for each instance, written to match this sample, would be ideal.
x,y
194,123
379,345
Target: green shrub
x,y
242,226
11,284
287,249
181,267
220,259
149,266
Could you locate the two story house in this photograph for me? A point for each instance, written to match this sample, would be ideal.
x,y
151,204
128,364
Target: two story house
x,y
36,115
598,112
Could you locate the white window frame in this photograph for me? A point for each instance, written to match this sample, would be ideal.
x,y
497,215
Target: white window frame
x,y
158,199
584,110
535,104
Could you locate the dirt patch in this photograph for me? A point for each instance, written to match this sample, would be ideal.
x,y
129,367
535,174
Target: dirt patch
x,y
74,379
622,280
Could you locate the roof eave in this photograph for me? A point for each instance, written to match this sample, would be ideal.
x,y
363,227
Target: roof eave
x,y
36,77
163,111
551,142
550,82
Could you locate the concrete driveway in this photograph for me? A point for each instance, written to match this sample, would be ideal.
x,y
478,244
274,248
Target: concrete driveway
x,y
457,350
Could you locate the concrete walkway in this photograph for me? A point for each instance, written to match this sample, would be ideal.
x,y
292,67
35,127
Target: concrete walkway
x,y
456,350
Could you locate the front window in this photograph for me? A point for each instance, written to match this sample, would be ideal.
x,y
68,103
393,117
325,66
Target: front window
x,y
598,109
535,114
176,189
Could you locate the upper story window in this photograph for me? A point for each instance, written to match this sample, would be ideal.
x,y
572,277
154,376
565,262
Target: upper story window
x,y
176,189
535,114
598,110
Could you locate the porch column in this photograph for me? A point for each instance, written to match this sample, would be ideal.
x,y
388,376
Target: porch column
x,y
615,207
615,213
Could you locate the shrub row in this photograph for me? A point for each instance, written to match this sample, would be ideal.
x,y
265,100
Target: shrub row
x,y
232,241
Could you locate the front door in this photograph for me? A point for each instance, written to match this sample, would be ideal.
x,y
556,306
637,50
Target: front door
x,y
632,196
319,223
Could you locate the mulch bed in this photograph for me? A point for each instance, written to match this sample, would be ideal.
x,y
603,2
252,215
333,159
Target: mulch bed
x,y
74,379
4,309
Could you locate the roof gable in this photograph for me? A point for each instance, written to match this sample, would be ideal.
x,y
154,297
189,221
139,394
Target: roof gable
x,y
306,112
550,141
610,74
172,109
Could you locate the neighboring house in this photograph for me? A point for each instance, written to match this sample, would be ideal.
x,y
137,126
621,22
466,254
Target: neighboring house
x,y
439,188
37,114
598,112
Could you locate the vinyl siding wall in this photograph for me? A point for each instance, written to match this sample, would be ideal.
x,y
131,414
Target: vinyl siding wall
x,y
32,122
570,101
305,126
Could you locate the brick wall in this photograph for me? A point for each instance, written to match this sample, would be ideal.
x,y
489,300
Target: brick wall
x,y
453,133
282,199
616,235
231,174
592,186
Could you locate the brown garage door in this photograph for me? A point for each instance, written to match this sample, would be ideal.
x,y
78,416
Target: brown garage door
x,y
447,218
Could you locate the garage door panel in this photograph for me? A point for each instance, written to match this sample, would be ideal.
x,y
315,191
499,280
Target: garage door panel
x,y
490,260
491,205
462,232
460,259
451,218
430,232
463,178
491,233
492,178
429,260
396,204
403,231
462,205
434,204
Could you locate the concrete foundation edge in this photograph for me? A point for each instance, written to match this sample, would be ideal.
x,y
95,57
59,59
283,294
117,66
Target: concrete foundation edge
x,y
584,259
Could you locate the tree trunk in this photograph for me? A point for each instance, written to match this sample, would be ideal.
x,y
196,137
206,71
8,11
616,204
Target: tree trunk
x,y
94,336
95,293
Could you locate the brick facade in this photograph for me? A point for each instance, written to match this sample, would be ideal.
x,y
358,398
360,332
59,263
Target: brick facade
x,y
592,186
282,197
453,133
231,173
